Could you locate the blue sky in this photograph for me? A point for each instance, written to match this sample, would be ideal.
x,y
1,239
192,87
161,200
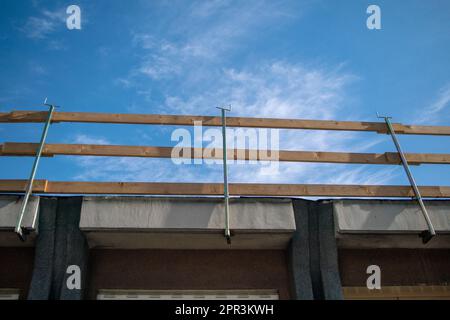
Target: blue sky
x,y
291,59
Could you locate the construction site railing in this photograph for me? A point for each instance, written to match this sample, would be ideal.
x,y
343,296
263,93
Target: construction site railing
x,y
244,189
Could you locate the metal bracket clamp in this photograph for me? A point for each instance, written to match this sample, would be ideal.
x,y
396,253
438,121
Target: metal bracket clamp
x,y
225,173
426,235
22,232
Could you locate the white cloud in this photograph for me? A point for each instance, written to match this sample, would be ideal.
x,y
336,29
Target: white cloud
x,y
46,23
204,33
358,175
157,67
277,89
137,169
37,68
207,9
85,139
56,45
38,28
434,112
187,65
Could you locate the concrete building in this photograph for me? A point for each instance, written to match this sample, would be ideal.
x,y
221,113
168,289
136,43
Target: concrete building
x,y
138,247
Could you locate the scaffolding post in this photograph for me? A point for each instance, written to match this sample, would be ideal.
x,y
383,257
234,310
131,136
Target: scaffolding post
x,y
21,232
426,235
225,172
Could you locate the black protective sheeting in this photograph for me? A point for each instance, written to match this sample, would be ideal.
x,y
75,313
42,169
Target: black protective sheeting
x,y
313,252
60,243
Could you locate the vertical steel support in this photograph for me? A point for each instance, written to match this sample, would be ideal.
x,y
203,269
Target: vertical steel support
x,y
426,234
225,173
29,188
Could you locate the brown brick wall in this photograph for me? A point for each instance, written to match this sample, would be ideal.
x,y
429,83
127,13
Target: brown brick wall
x,y
188,270
16,267
398,266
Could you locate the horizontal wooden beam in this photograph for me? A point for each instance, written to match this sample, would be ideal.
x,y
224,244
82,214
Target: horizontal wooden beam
x,y
39,186
189,120
210,189
387,158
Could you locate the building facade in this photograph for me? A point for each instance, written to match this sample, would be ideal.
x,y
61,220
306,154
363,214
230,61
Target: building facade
x,y
123,247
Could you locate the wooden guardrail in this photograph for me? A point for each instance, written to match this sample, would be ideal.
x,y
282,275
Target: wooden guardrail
x,y
241,189
188,120
50,150
244,189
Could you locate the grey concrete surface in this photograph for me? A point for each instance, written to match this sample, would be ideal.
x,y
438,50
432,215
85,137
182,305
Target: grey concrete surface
x,y
389,216
10,208
186,223
139,213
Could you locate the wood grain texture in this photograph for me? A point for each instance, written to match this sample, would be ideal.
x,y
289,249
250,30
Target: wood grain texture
x,y
237,189
387,158
189,120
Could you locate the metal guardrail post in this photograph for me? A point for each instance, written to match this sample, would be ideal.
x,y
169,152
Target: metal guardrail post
x,y
225,173
21,232
426,235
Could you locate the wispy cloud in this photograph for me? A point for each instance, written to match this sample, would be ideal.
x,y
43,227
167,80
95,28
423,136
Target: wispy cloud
x,y
57,45
85,139
188,66
37,68
434,112
137,169
358,175
276,89
47,22
203,34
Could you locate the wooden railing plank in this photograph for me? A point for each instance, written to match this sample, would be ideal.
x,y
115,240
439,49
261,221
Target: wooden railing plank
x,y
211,189
39,186
188,120
388,158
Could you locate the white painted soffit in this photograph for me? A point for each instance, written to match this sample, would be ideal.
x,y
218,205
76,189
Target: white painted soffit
x,y
389,216
152,214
